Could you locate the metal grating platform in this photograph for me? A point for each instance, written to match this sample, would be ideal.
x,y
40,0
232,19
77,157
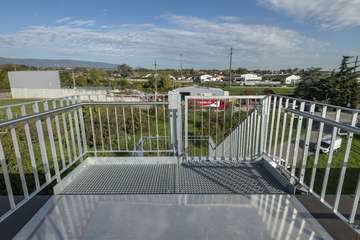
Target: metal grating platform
x,y
194,178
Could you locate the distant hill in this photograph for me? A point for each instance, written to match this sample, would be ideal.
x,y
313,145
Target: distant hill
x,y
60,63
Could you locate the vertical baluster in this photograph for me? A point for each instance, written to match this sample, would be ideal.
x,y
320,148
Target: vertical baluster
x,y
133,127
231,129
356,201
52,143
290,134
149,131
157,130
72,134
251,130
350,136
92,126
82,126
317,151
186,146
101,130
209,134
216,128
59,136
77,130
238,144
272,125
17,154
141,130
257,145
194,127
40,133
306,145
266,122
283,131
224,131
117,127
277,126
202,127
67,142
165,128
330,157
248,131
297,142
5,174
125,131
31,149
108,125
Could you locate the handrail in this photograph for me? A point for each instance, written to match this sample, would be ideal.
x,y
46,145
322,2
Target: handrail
x,y
343,126
318,103
38,115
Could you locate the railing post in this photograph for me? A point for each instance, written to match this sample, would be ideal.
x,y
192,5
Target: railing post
x,y
263,123
175,122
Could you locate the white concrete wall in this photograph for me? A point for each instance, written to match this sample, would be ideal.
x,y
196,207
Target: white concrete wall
x,y
25,93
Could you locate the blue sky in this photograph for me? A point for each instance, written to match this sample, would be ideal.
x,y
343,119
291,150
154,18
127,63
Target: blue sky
x,y
264,33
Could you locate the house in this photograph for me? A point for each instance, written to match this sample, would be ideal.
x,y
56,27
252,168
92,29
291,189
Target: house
x,y
250,77
207,78
293,79
200,91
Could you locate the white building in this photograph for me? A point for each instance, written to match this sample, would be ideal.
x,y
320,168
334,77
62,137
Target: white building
x,y
250,77
293,79
207,78
43,84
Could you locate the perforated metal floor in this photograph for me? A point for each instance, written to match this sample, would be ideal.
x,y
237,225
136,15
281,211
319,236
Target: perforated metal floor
x,y
195,178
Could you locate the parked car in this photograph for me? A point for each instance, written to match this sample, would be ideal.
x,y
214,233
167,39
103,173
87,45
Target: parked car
x,y
325,144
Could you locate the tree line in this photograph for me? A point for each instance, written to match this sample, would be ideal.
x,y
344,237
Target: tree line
x,y
341,87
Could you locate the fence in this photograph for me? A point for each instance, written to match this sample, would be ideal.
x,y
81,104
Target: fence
x,y
317,146
41,140
305,139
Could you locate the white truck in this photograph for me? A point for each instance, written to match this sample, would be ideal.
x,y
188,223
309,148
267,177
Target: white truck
x,y
326,142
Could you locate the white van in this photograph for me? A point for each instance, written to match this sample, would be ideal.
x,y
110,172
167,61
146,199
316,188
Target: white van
x,y
326,142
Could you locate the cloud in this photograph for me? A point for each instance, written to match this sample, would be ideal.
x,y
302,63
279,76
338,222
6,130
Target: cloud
x,y
64,19
81,22
202,42
75,22
330,14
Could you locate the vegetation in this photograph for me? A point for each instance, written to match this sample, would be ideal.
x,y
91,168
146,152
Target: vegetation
x,y
339,88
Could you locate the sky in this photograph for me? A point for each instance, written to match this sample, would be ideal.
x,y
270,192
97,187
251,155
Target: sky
x,y
266,34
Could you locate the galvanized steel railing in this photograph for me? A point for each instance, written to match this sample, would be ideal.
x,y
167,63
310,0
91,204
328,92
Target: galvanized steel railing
x,y
40,140
305,139
232,123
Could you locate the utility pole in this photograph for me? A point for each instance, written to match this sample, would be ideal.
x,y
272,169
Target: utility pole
x,y
155,76
181,70
231,53
73,78
356,61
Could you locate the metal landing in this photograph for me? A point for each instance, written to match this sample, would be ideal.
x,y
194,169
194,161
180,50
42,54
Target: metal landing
x,y
167,178
173,216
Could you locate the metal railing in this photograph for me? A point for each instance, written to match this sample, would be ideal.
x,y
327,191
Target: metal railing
x,y
305,139
41,140
232,124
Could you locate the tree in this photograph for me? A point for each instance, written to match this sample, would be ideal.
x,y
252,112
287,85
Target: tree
x,y
65,79
125,70
97,77
311,85
339,88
